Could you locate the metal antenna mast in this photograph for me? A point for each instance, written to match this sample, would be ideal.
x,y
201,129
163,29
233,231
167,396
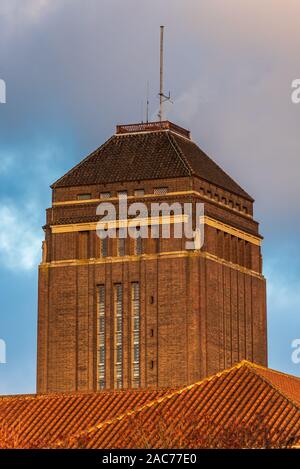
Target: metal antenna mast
x,y
147,103
161,75
162,96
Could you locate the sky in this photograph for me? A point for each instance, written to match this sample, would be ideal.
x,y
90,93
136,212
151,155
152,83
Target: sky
x,y
75,68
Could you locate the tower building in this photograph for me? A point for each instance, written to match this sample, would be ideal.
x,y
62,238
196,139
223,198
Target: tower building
x,y
148,312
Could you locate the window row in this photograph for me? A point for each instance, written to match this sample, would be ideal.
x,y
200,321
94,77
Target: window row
x,y
121,246
224,200
117,336
93,246
233,249
123,193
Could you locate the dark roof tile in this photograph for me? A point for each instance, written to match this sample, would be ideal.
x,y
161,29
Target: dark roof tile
x,y
156,154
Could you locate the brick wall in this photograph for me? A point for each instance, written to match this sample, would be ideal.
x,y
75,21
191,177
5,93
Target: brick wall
x,y
200,312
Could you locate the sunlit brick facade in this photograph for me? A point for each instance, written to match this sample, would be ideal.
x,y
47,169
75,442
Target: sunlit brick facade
x,y
148,313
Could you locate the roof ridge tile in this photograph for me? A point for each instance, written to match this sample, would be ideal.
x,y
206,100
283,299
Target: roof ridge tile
x,y
179,153
253,367
261,367
155,401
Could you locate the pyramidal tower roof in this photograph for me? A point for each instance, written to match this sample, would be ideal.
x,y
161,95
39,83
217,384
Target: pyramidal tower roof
x,y
154,150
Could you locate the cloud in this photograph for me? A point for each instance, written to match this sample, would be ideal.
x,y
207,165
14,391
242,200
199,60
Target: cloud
x,y
22,13
20,242
229,65
26,170
237,97
6,163
74,69
283,295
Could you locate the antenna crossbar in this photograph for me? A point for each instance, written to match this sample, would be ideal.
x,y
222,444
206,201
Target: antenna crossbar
x,y
162,96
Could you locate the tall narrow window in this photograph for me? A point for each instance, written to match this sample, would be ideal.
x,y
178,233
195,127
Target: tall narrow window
x,y
103,247
248,262
118,310
101,335
138,246
135,321
121,246
83,244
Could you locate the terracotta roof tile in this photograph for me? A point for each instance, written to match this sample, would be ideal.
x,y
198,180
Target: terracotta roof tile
x,y
136,418
237,395
42,418
287,384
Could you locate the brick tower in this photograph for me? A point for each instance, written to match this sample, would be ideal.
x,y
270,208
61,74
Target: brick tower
x,y
148,312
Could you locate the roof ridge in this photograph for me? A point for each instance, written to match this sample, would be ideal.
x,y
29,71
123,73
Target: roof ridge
x,y
157,401
220,168
83,161
179,153
243,363
278,372
110,162
253,367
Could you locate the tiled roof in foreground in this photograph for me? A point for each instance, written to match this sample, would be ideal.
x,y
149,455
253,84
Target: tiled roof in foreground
x,y
157,150
243,395
41,419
